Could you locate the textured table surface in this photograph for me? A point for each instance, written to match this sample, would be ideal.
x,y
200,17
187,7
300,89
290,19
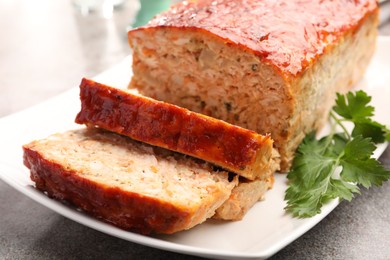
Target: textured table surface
x,y
46,47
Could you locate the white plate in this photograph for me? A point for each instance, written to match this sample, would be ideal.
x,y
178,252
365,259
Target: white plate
x,y
265,229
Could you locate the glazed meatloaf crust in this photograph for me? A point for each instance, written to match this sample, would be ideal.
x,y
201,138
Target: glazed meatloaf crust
x,y
269,66
158,123
129,184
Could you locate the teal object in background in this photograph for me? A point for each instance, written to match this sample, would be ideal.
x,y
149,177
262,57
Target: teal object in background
x,y
149,8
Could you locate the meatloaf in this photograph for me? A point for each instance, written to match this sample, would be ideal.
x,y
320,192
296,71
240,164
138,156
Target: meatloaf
x,y
242,198
129,184
269,66
158,123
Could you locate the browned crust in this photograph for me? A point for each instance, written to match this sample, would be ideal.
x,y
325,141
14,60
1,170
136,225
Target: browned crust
x,y
158,123
127,210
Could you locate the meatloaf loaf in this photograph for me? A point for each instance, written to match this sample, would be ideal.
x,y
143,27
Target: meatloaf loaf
x,y
158,123
129,184
269,66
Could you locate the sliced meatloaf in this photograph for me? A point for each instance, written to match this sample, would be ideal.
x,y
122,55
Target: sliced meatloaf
x,y
269,66
242,199
129,184
158,123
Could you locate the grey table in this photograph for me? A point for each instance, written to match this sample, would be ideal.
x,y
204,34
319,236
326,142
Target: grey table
x,y
45,48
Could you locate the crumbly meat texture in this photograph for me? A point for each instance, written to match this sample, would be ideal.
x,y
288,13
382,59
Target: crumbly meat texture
x,y
158,123
245,195
129,184
242,199
272,67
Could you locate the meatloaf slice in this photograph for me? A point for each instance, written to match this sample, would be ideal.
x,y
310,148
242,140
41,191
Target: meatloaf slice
x,y
129,184
242,198
158,123
269,66
245,195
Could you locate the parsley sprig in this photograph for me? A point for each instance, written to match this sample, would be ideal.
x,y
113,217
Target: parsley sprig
x,y
335,165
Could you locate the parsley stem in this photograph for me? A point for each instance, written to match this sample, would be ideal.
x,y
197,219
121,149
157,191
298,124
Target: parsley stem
x,y
338,121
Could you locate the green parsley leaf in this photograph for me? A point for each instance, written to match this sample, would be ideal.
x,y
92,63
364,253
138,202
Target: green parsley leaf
x,y
340,140
342,189
359,148
309,177
369,128
333,166
352,106
355,108
359,167
310,161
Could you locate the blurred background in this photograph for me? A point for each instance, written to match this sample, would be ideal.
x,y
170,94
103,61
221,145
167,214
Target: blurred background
x,y
47,46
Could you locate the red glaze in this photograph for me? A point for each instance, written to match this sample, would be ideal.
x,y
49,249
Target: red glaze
x,y
289,34
175,128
